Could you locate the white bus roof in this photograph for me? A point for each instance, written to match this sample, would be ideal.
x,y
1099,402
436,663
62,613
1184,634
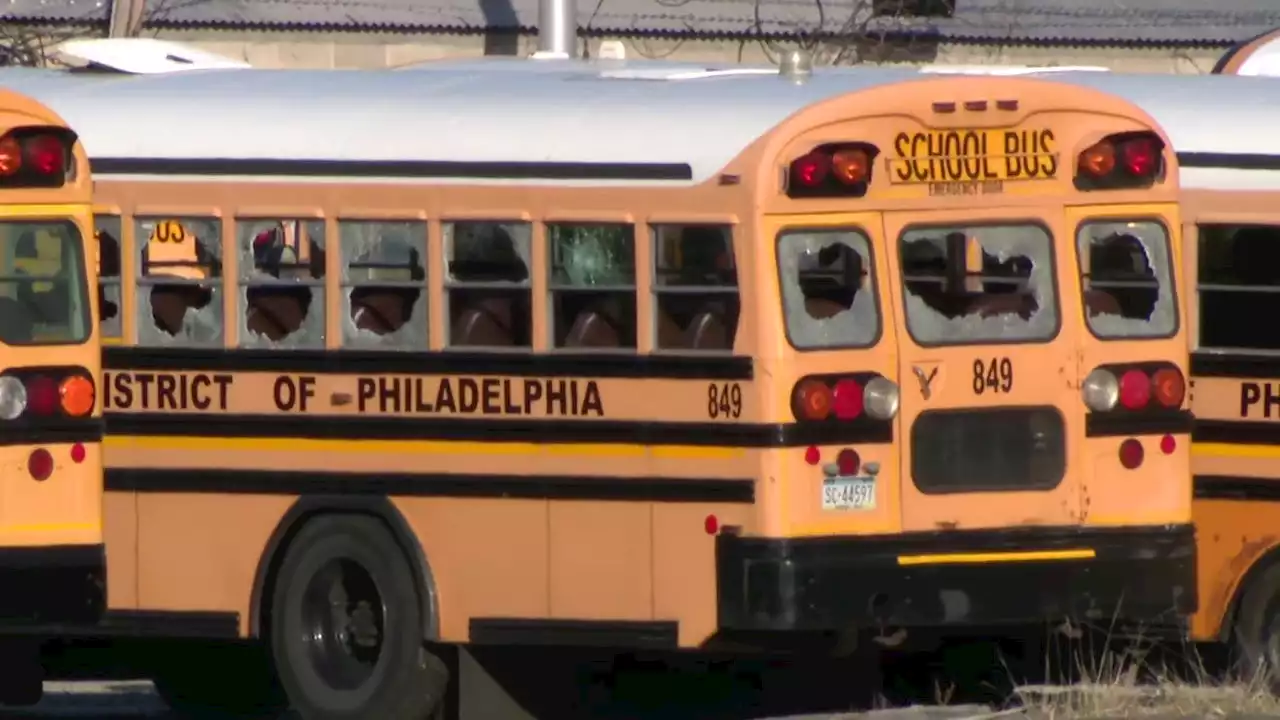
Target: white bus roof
x,y
466,111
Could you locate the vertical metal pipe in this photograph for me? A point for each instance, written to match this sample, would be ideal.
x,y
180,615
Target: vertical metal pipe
x,y
558,28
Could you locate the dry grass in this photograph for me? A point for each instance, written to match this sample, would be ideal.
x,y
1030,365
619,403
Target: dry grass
x,y
1126,684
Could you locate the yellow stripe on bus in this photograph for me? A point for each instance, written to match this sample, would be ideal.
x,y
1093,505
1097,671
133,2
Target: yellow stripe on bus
x,y
1229,450
997,557
416,446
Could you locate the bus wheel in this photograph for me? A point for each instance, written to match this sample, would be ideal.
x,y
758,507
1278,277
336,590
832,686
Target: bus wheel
x,y
1257,627
347,626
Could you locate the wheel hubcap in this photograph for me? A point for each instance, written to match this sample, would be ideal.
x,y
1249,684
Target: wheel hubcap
x,y
343,621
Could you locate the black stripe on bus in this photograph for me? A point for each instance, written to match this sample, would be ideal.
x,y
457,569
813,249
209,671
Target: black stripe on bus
x,y
327,427
1235,366
554,487
1236,432
406,169
1121,423
1235,487
1229,161
354,362
54,431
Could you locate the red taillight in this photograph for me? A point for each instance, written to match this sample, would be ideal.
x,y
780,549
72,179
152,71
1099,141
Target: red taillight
x,y
1131,454
813,455
848,462
711,524
1140,157
42,395
811,170
77,453
812,400
847,399
1135,389
40,464
46,154
1168,387
1168,444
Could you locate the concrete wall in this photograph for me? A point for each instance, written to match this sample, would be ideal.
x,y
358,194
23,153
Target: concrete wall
x,y
333,50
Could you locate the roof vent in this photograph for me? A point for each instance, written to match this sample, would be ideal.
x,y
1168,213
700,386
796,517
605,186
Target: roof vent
x,y
795,65
143,56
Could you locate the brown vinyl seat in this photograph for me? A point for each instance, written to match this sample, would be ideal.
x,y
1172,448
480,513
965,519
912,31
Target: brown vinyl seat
x,y
592,328
486,323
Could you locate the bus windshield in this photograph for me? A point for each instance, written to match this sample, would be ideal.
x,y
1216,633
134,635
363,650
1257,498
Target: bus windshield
x,y
42,283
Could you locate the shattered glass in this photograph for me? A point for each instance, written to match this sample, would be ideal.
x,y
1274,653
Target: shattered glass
x,y
281,264
107,235
1009,296
383,277
179,294
1129,285
592,255
480,252
828,292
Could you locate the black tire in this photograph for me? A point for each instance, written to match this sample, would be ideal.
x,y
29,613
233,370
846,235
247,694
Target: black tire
x,y
347,626
1256,646
217,680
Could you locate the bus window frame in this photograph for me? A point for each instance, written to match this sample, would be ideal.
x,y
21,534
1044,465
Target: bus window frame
x,y
1173,275
88,317
977,342
875,284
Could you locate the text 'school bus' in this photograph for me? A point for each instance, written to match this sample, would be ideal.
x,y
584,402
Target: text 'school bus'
x,y
517,359
1231,210
52,557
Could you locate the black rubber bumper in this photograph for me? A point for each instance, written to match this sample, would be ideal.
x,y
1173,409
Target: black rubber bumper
x,y
958,578
58,584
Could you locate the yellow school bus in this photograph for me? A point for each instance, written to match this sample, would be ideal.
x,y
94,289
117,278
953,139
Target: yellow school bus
x,y
1230,189
52,557
848,353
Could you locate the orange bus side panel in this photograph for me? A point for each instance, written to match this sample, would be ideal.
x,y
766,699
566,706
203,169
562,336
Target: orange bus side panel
x,y
1231,535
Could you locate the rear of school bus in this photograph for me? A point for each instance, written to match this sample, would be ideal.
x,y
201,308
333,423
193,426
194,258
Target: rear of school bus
x,y
978,327
52,562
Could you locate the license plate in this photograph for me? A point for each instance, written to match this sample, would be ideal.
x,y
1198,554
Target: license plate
x,y
849,493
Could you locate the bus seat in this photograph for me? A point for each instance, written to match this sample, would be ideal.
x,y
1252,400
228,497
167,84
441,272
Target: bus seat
x,y
169,305
822,309
1020,304
670,336
379,310
1101,302
592,329
16,326
275,313
708,331
484,324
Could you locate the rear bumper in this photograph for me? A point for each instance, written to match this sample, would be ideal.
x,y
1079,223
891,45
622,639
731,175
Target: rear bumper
x,y
58,584
973,578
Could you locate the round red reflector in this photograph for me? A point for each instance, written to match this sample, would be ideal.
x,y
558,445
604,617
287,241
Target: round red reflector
x,y
40,464
1135,389
42,396
811,170
47,154
1168,387
1131,454
1168,444
847,402
711,525
813,455
848,462
1140,157
77,453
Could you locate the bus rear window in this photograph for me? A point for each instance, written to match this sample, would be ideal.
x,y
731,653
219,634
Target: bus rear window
x,y
828,293
976,284
1127,279
42,284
